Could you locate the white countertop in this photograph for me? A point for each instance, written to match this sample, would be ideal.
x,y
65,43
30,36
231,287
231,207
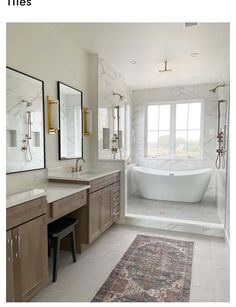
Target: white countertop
x,y
52,191
55,191
82,176
21,197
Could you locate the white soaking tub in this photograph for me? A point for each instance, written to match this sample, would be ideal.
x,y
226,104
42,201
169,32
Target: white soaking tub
x,y
182,186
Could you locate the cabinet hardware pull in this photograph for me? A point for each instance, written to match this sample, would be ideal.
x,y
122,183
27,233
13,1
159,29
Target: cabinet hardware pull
x,y
11,250
18,253
10,258
19,241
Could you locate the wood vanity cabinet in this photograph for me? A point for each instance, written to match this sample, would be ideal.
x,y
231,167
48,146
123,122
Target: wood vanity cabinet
x,y
100,212
10,296
115,200
27,259
104,205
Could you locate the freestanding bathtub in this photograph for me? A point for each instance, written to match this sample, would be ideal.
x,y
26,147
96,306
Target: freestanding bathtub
x,y
182,186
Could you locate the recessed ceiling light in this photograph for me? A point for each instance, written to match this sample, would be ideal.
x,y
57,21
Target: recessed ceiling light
x,y
194,54
133,62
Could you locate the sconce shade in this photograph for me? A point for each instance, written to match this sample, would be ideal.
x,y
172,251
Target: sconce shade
x,y
53,115
87,121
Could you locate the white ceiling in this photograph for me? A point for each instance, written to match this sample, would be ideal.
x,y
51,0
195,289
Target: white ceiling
x,y
150,44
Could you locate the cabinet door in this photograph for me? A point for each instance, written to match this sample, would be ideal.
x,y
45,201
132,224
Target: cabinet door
x,y
94,216
10,292
106,208
30,258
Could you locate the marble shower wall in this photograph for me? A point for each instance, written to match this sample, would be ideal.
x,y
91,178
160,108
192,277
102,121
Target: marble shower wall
x,y
142,97
221,174
110,81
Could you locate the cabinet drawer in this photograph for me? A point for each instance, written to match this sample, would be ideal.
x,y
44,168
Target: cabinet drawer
x,y
105,181
68,204
116,187
115,199
25,212
115,213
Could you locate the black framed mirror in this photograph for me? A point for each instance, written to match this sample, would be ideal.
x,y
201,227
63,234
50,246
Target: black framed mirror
x,y
25,130
70,122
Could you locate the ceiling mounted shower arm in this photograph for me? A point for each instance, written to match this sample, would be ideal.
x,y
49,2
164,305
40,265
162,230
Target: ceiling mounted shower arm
x,y
165,69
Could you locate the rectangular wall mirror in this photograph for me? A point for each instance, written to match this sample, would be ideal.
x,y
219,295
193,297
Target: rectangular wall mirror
x,y
25,148
71,122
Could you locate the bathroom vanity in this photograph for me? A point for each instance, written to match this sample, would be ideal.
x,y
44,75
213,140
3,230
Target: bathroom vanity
x,y
92,197
103,208
27,259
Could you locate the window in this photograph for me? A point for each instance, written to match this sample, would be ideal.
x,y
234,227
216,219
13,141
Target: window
x,y
174,130
158,134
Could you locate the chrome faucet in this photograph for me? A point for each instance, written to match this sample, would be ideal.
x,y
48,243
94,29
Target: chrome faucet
x,y
79,169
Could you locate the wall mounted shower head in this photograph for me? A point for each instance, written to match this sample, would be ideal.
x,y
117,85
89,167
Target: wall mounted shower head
x,y
117,94
213,90
26,103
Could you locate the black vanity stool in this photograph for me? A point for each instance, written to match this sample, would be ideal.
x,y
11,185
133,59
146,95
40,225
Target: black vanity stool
x,y
56,231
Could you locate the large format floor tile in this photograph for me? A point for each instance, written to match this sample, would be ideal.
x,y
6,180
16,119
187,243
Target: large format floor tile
x,y
79,282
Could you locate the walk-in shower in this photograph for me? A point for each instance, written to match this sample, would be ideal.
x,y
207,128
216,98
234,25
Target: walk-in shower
x,y
116,142
221,131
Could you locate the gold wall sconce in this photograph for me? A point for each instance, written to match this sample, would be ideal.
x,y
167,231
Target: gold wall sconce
x,y
53,115
87,121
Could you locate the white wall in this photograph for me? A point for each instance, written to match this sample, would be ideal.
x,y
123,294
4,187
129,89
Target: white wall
x,y
38,49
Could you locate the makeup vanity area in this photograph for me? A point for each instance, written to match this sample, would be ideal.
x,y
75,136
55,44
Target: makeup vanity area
x,y
95,201
92,196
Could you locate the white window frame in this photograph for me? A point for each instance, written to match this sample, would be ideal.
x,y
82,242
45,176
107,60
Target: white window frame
x,y
173,104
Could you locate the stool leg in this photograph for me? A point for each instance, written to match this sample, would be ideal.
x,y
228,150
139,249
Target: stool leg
x,y
56,249
73,244
49,252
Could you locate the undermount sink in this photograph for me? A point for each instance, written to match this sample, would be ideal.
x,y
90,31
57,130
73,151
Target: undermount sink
x,y
87,172
86,175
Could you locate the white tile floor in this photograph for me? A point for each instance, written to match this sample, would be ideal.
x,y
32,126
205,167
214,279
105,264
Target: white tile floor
x,y
79,282
204,211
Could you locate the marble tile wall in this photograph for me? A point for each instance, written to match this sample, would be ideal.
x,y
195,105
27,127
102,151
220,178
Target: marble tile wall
x,y
221,174
24,96
142,97
110,81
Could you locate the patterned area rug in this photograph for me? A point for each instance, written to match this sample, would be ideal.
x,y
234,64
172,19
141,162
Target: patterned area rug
x,y
153,269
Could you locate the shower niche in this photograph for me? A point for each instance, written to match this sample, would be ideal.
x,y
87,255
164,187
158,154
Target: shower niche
x,y
24,122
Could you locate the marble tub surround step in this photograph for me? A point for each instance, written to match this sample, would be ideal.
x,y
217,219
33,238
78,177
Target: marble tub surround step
x,y
52,191
176,225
